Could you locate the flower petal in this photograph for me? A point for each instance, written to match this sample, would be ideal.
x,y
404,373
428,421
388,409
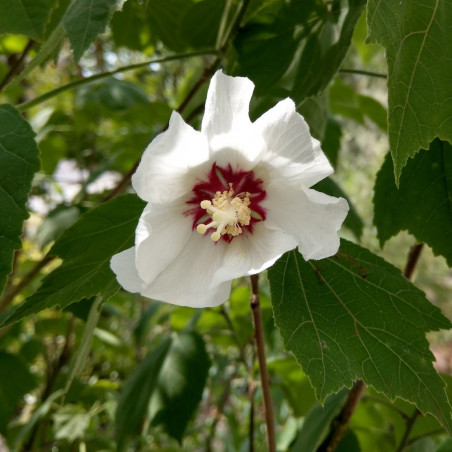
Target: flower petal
x,y
313,218
171,163
123,265
291,150
227,104
254,253
161,235
187,281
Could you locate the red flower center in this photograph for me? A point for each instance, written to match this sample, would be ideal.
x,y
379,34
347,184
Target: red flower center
x,y
227,203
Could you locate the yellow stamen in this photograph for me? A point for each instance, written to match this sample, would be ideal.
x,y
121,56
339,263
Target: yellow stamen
x,y
228,214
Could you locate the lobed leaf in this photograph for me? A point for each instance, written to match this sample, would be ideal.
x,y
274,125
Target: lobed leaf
x,y
423,203
18,163
416,36
86,249
354,316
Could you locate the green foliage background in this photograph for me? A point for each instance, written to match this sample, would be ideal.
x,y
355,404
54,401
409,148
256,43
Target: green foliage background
x,y
85,85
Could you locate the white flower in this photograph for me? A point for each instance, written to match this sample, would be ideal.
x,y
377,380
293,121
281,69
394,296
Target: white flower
x,y
227,201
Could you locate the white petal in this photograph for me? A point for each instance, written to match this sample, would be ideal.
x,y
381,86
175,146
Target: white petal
x,y
311,217
227,104
253,253
161,235
172,163
123,265
187,281
291,150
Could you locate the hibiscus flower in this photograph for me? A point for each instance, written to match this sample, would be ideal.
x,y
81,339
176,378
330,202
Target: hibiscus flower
x,y
227,201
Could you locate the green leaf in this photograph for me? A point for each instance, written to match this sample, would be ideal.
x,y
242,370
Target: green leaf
x,y
200,23
25,17
345,101
317,423
354,316
15,381
167,386
422,204
294,48
165,18
416,36
331,142
71,422
134,400
181,383
86,249
84,21
18,163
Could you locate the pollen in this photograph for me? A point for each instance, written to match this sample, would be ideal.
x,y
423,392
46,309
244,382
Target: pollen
x,y
227,212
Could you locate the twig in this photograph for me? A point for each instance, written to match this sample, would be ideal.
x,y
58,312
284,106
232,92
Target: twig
x,y
409,426
260,346
361,72
15,69
340,424
9,294
93,78
413,257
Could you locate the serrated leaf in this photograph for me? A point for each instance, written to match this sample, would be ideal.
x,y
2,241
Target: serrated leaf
x,y
25,17
331,142
86,249
294,48
423,203
84,21
18,163
354,316
416,35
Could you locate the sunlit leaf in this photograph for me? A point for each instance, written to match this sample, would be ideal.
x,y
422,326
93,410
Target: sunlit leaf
x,y
86,249
416,36
422,204
18,163
354,316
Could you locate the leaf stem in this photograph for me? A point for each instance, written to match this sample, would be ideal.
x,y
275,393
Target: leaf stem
x,y
340,424
37,100
260,346
409,426
413,258
362,72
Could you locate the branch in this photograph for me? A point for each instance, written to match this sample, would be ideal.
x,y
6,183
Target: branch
x,y
16,67
9,294
340,424
409,426
93,78
260,345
